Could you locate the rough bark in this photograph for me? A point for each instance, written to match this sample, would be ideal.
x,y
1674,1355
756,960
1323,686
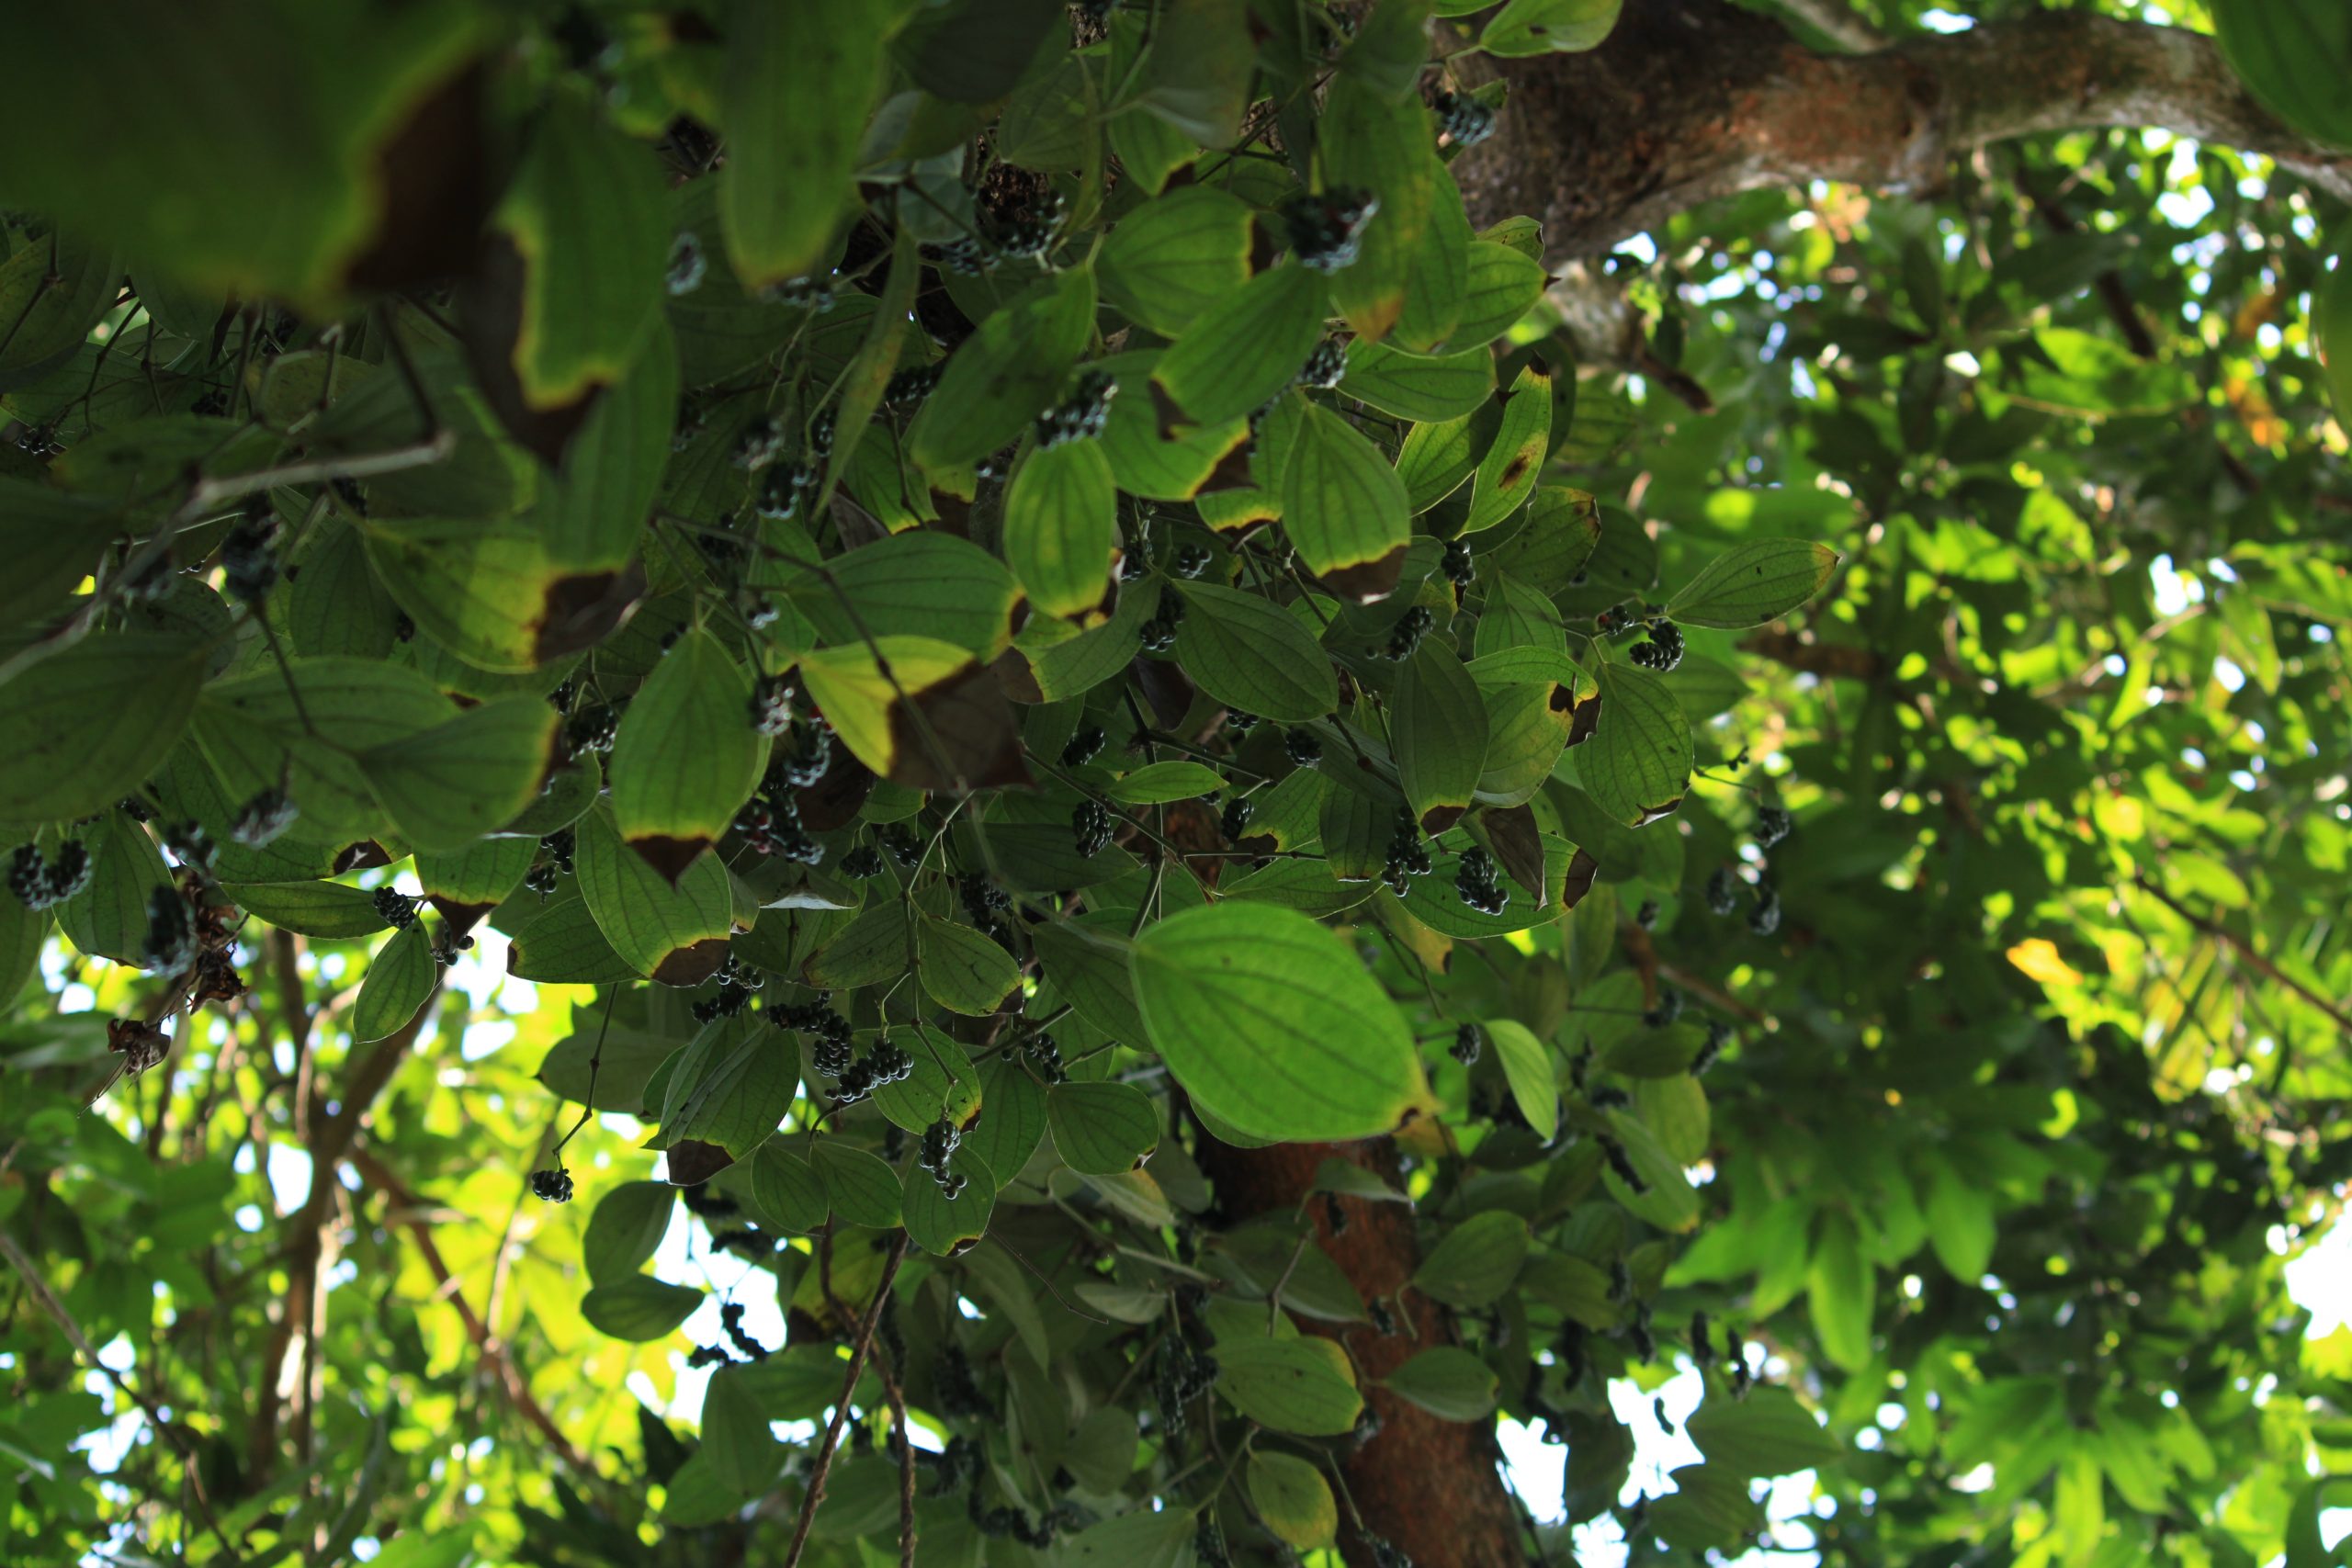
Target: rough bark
x,y
1428,1486
1692,100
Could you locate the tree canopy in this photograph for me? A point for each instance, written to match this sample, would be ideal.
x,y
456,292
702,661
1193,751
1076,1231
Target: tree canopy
x,y
990,782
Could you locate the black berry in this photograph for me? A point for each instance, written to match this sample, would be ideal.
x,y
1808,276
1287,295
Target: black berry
x,y
1327,229
1082,414
1327,366
1722,891
261,820
1455,564
1462,121
551,1186
1469,1041
687,263
1772,825
1084,746
1302,747
1092,826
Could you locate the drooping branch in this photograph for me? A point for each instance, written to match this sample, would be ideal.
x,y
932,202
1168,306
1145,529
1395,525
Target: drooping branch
x,y
1694,100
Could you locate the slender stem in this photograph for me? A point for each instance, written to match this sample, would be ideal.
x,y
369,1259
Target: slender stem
x,y
857,1354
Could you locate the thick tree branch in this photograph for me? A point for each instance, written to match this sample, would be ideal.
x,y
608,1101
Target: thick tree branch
x,y
1692,100
1838,22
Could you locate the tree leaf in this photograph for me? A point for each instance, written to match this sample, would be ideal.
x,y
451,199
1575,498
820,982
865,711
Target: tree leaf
x,y
1344,506
730,1086
1417,386
673,930
1637,764
862,1188
1303,1386
1249,654
1372,142
1012,1121
626,1229
1508,473
1502,286
947,1226
686,757
1751,584
1439,735
1174,258
327,910
788,1189
1006,373
1529,1068
1477,1261
1061,527
1245,347
81,729
640,1309
400,978
1270,1022
109,918
1100,1128
1448,1381
1157,783
800,81
736,1441
963,970
1294,1500
1841,1291
446,786
1768,1433
1543,26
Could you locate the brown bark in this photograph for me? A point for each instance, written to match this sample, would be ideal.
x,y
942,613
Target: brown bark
x,y
1691,100
1429,1487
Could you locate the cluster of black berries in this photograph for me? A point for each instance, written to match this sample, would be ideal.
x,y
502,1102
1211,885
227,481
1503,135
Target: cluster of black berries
x,y
1091,826
190,845
1082,414
904,846
1185,1372
1462,120
786,489
833,1049
1387,1556
263,818
1209,1544
883,1065
1722,891
593,728
761,442
1406,640
1233,821
249,566
725,549
1191,560
1663,651
1772,824
1302,747
41,883
171,943
1718,1037
1239,722
735,984
1646,916
552,1186
771,826
687,263
1408,853
559,847
1609,1096
939,1142
1456,564
1084,746
1160,632
982,899
908,387
965,254
1765,918
772,703
863,863
1327,366
1622,1164
820,432
802,293
394,908
446,951
730,1318
214,405
1024,238
1469,1041
1669,1008
802,763
1327,230
1477,882
1044,1054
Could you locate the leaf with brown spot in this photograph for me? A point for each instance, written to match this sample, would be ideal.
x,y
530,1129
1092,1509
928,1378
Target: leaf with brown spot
x,y
968,737
693,1162
1510,832
1507,474
1582,869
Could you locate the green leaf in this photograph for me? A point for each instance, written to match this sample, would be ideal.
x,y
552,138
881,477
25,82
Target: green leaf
x,y
1749,584
1477,1261
1768,1433
1061,527
1508,473
1414,386
1006,373
1196,77
400,978
798,83
1243,349
626,1229
1012,1121
623,1060
672,930
1439,735
1270,1021
563,945
1157,783
1528,1067
1248,653
788,1189
1304,1386
592,511
730,1086
1294,1500
481,875
1637,764
1503,285
1448,1381
490,593
1100,1128
2295,56
737,1443
963,970
947,1226
943,1083
1961,1224
81,729
1090,973
1170,259
53,291
2081,373
1841,1292
1544,27
640,1309
588,223
920,585
327,910
1142,1539
861,1189
686,757
446,786
1382,145
109,918
1344,506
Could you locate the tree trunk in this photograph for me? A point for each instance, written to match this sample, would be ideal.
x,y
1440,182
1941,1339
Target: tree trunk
x,y
1429,1487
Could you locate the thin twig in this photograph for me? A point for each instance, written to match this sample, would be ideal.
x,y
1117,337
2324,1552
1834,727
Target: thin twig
x,y
2246,951
857,1354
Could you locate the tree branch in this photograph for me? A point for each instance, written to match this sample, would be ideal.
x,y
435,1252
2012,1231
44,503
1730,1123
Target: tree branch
x,y
1694,100
2247,949
1838,22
